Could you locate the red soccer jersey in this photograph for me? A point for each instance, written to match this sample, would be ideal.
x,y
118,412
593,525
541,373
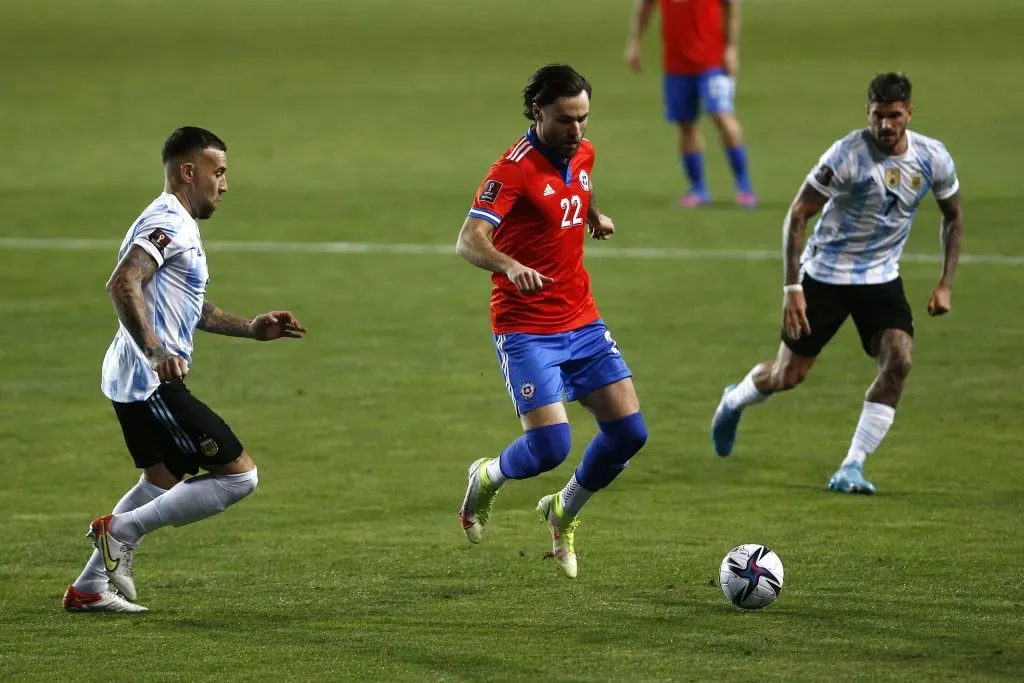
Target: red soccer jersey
x,y
538,207
692,35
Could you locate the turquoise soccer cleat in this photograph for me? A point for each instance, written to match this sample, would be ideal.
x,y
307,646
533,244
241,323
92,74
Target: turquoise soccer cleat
x,y
850,479
724,425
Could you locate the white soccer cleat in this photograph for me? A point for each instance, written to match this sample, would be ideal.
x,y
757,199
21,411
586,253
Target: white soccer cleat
x,y
476,506
117,557
107,601
563,536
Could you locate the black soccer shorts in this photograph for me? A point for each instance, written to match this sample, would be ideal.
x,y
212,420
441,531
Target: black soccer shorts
x,y
175,428
873,308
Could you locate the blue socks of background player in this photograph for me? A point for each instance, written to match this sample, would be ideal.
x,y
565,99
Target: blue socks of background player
x,y
537,451
738,161
693,164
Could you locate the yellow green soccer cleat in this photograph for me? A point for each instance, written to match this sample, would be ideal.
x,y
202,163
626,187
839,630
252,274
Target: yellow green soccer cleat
x,y
563,536
476,507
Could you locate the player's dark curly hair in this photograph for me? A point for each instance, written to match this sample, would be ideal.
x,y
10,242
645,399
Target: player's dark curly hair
x,y
888,88
189,140
550,82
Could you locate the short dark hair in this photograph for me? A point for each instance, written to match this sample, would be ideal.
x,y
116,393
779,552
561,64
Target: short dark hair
x,y
888,88
188,140
550,82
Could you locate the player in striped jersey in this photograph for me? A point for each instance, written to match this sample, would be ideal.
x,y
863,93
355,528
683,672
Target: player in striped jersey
x,y
158,289
869,184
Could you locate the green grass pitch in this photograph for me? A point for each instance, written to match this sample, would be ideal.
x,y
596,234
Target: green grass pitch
x,y
372,122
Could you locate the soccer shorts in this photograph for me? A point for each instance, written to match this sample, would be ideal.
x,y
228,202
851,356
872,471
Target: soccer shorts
x,y
873,308
539,369
685,92
175,428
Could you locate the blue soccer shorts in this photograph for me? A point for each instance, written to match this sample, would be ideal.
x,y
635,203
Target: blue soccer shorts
x,y
539,369
685,92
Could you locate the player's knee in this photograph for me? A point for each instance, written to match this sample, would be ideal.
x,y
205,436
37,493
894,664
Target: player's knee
x,y
550,445
628,433
898,367
789,376
690,131
726,121
235,487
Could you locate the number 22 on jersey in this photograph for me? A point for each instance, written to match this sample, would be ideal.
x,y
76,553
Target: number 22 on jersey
x,y
572,206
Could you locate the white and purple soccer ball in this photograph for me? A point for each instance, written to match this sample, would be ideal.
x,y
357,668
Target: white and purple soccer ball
x,y
751,576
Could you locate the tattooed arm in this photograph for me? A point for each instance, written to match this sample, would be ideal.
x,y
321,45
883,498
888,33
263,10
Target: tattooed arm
x,y
805,207
950,237
217,321
125,290
273,325
794,308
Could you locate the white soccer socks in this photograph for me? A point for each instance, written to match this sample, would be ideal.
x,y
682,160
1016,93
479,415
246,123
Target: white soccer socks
x,y
745,393
874,423
93,578
190,501
573,497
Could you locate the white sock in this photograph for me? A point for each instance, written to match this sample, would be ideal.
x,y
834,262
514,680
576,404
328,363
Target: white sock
x,y
745,393
190,501
875,420
93,578
574,497
495,474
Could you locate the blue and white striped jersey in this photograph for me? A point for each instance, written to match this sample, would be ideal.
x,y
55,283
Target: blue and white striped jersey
x,y
174,297
872,201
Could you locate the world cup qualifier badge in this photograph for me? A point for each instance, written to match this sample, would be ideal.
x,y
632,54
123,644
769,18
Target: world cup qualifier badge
x,y
824,175
527,390
208,446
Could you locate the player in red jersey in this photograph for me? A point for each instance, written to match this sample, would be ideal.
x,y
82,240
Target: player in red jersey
x,y
700,55
527,226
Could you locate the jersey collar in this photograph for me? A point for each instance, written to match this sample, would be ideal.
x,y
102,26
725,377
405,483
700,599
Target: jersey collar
x,y
562,167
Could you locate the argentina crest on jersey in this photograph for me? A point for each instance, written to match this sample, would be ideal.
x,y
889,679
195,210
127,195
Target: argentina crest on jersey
x,y
892,177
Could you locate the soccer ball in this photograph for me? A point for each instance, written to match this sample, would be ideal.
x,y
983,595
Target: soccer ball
x,y
751,576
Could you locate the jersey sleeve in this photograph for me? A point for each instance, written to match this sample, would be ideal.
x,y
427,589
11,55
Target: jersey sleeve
x,y
160,235
945,184
832,174
498,193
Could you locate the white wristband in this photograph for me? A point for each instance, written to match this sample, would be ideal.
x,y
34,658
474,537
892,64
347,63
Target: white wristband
x,y
793,288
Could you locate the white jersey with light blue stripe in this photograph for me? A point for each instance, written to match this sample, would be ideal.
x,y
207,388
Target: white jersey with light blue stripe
x,y
872,201
174,297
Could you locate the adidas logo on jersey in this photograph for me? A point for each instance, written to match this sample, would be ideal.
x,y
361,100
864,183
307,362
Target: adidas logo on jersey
x,y
548,191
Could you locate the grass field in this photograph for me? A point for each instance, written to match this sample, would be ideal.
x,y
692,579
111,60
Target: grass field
x,y
373,122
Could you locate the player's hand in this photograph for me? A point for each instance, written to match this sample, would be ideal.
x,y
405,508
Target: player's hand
x,y
527,280
276,325
168,367
634,56
731,60
794,315
604,228
941,300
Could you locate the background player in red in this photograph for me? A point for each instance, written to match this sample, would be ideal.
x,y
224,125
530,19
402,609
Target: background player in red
x,y
700,54
527,227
